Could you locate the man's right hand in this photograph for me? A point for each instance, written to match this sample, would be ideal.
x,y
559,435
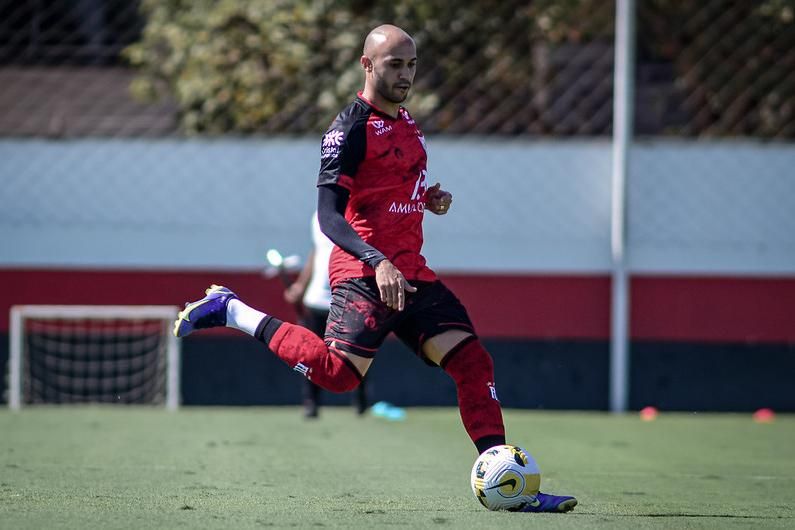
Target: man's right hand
x,y
392,285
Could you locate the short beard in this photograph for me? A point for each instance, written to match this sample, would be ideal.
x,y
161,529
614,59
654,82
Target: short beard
x,y
382,89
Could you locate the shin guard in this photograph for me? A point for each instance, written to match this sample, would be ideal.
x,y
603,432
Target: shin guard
x,y
471,367
306,353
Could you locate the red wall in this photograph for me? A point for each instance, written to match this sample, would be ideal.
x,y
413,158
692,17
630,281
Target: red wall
x,y
707,309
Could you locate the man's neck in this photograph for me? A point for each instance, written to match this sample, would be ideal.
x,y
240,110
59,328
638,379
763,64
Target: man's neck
x,y
383,104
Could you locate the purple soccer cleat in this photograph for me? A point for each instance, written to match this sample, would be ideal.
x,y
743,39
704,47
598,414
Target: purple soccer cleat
x,y
551,503
209,312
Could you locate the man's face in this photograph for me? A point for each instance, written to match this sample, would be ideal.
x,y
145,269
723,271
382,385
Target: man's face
x,y
393,71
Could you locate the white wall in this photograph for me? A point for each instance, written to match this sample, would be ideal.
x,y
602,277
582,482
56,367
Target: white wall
x,y
519,205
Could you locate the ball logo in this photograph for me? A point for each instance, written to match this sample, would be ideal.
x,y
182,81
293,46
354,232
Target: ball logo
x,y
510,486
480,471
519,455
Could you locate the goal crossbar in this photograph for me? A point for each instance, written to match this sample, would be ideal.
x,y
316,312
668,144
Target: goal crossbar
x,y
90,312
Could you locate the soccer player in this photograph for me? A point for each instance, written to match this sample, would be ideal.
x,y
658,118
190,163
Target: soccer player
x,y
372,195
311,293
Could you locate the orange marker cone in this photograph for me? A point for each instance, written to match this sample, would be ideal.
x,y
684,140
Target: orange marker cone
x,y
648,413
764,415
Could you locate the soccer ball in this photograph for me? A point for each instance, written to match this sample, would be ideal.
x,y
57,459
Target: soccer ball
x,y
506,477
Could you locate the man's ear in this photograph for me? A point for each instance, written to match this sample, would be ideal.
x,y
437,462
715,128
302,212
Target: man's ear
x,y
366,63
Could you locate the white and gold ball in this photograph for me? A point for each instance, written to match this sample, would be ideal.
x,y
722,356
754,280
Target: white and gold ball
x,y
506,477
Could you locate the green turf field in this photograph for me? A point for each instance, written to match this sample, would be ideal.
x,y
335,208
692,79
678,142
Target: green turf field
x,y
121,467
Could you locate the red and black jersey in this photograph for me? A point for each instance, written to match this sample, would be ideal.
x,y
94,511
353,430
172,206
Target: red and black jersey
x,y
381,161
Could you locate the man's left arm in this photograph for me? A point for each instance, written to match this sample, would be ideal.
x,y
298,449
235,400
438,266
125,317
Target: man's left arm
x,y
437,200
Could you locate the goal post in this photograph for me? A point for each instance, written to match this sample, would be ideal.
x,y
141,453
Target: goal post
x,y
93,354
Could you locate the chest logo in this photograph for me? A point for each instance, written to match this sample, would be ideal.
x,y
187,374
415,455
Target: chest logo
x,y
416,204
381,127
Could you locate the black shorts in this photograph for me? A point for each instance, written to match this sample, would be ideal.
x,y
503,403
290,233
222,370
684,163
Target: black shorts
x,y
359,321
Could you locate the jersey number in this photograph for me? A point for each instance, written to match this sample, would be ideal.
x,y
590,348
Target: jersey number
x,y
419,187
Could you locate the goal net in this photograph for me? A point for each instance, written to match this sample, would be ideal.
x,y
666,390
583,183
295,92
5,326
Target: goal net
x,y
93,354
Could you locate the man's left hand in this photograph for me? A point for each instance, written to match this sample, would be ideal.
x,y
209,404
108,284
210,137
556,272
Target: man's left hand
x,y
437,200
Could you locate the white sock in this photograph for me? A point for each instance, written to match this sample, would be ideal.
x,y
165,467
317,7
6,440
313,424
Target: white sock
x,y
242,317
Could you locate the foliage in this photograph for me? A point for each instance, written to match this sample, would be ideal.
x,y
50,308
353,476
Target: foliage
x,y
289,65
543,67
248,65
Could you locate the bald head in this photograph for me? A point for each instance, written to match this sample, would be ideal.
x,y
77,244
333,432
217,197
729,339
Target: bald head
x,y
389,60
383,39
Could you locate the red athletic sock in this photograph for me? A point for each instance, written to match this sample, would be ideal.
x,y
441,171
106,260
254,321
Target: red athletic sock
x,y
306,353
471,367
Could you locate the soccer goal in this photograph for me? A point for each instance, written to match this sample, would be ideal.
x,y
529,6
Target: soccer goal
x,y
93,354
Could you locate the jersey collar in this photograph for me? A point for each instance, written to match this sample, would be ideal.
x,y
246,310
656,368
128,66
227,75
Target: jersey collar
x,y
378,110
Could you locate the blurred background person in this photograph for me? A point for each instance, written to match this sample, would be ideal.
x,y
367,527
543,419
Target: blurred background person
x,y
310,293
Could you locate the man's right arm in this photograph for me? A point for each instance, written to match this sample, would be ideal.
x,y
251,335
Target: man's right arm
x,y
331,203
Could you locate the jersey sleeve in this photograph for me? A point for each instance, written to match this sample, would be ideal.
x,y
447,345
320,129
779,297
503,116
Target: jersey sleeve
x,y
342,150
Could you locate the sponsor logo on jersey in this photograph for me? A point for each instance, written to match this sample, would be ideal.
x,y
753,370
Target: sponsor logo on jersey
x,y
381,127
333,138
406,207
416,201
332,143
